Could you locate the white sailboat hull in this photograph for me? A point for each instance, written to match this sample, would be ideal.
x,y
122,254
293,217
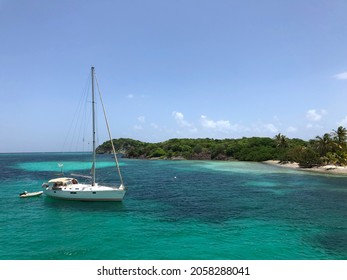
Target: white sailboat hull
x,y
87,193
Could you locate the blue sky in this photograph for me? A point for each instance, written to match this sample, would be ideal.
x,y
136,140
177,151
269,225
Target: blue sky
x,y
173,69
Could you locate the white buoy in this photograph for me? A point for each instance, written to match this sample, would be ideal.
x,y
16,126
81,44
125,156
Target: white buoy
x,y
61,165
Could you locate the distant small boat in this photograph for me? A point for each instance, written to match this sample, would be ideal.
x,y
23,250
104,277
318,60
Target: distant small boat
x,y
30,194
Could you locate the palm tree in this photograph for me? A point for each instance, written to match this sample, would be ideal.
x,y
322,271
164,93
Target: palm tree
x,y
340,137
281,140
324,144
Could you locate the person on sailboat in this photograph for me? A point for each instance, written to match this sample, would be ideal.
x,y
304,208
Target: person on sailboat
x,y
74,181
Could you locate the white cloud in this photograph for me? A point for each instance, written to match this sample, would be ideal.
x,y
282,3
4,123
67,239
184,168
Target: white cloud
x,y
270,127
141,119
343,122
219,125
314,115
313,126
341,76
291,129
130,96
138,127
264,128
154,125
179,117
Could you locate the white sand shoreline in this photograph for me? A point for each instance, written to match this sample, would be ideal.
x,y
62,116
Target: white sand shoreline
x,y
327,169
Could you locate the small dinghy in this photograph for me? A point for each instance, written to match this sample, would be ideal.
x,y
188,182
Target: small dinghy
x,y
30,194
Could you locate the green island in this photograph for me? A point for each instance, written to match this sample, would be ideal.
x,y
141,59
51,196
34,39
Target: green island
x,y
328,149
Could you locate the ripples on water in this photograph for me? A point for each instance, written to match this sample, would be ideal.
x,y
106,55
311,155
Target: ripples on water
x,y
174,210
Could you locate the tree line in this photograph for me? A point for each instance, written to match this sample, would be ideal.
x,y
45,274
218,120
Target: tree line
x,y
327,149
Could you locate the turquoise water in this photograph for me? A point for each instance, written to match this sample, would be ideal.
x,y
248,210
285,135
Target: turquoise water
x,y
173,210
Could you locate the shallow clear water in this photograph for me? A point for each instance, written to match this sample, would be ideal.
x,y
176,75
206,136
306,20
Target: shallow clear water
x,y
173,210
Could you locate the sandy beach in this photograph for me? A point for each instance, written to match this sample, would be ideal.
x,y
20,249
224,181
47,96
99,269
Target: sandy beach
x,y
327,169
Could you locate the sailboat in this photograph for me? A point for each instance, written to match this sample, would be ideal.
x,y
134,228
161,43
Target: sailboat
x,y
69,188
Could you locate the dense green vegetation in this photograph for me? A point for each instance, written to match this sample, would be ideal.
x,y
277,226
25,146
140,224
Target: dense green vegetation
x,y
331,148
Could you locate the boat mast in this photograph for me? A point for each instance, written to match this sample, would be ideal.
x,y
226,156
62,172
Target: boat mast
x,y
93,109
